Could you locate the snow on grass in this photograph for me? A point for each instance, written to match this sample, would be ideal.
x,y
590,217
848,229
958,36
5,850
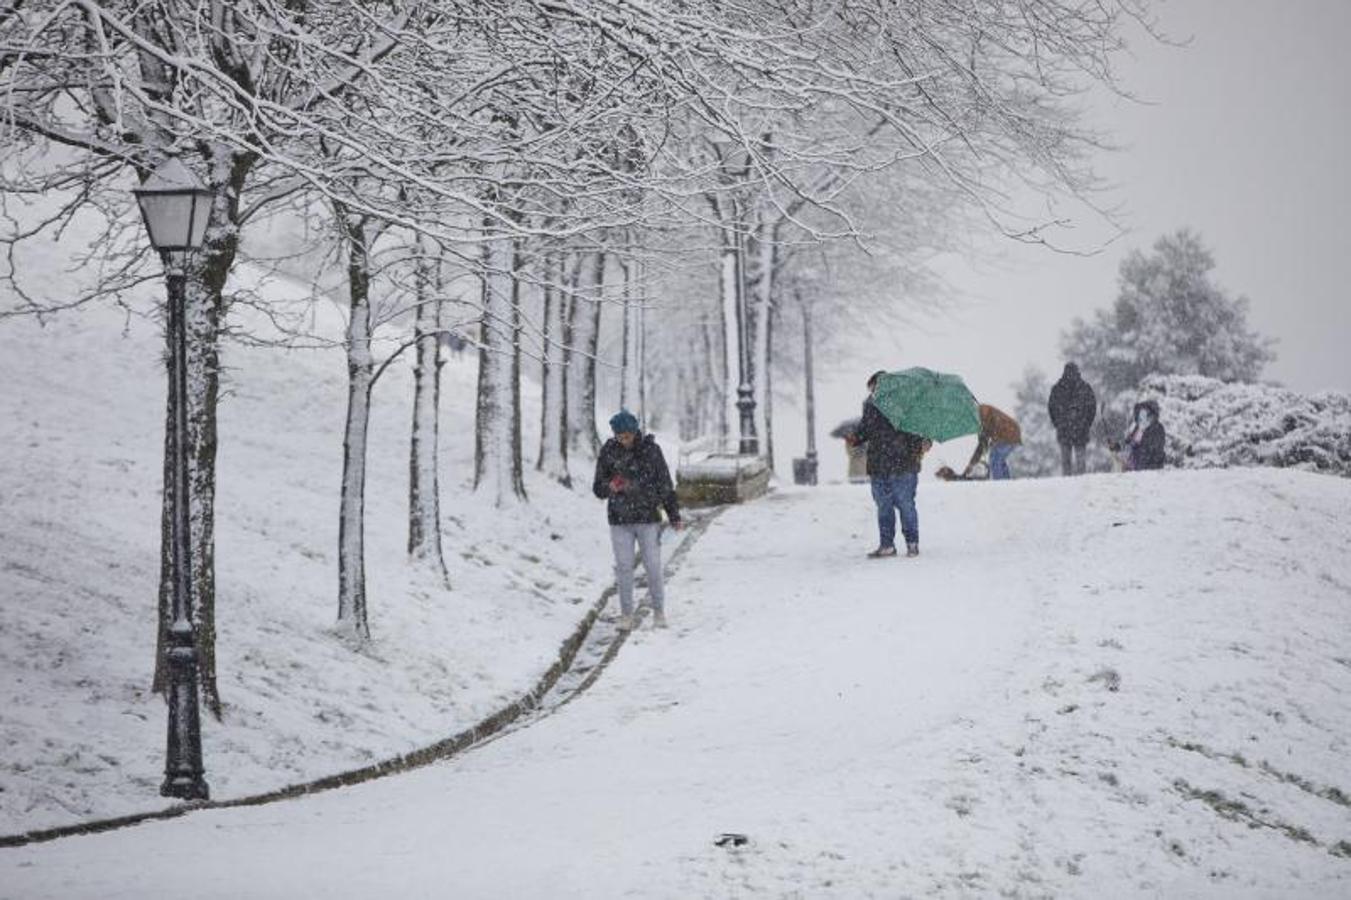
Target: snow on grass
x,y
81,737
1108,686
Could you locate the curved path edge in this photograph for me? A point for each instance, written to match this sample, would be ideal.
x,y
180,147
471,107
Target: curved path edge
x,y
479,733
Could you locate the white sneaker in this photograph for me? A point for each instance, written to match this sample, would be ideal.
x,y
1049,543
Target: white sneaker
x,y
659,619
625,622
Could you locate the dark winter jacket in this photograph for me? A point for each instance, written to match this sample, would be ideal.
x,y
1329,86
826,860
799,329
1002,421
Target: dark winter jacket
x,y
1072,406
890,452
648,486
1147,447
1148,454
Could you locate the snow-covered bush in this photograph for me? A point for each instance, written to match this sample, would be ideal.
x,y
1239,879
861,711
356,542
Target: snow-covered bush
x,y
1213,424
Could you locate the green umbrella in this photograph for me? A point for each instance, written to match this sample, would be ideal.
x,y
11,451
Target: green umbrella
x,y
930,404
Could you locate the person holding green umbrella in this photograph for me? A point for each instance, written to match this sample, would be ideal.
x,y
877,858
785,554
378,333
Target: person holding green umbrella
x,y
893,470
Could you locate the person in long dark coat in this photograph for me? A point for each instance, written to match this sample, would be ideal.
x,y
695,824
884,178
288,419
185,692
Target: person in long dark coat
x,y
1073,407
632,476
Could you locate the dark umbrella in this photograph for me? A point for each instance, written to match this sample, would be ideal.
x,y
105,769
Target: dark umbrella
x,y
845,428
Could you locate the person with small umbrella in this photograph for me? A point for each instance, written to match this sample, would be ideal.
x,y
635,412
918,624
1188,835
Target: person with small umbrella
x,y
893,470
905,413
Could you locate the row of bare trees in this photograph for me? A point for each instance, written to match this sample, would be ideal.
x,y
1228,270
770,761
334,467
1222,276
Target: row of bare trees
x,y
622,184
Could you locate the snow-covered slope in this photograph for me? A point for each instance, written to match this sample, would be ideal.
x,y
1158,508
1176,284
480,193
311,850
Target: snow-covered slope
x,y
1109,686
81,407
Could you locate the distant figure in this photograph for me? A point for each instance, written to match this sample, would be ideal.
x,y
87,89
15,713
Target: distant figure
x,y
631,474
454,342
893,468
1145,439
1000,435
1072,406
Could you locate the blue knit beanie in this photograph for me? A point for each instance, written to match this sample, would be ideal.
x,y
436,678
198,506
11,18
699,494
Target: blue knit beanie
x,y
623,421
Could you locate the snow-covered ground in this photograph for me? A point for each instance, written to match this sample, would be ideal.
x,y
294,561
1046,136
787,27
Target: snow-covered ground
x,y
1131,685
81,407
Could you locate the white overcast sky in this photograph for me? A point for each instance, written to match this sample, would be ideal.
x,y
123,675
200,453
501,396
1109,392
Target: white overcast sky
x,y
1242,135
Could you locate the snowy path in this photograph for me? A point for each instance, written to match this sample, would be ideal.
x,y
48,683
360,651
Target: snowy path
x,y
1096,687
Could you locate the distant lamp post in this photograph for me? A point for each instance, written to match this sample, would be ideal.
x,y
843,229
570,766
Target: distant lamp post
x,y
175,205
749,444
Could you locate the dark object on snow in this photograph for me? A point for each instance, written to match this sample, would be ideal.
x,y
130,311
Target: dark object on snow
x,y
455,343
804,470
979,472
731,839
1073,407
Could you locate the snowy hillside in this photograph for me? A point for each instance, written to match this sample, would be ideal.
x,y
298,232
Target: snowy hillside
x,y
82,407
1109,686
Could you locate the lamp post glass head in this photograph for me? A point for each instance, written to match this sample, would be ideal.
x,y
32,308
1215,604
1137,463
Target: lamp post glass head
x,y
175,205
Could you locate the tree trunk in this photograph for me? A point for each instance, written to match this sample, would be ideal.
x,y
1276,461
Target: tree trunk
x,y
642,350
626,334
589,432
583,339
497,434
809,373
206,272
760,316
767,377
424,495
517,334
712,418
352,614
553,441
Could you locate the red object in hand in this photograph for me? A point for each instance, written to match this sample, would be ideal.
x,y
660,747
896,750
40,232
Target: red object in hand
x,y
618,483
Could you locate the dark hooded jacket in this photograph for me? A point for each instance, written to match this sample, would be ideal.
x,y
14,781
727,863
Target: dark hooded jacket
x,y
649,487
1148,451
1072,406
890,452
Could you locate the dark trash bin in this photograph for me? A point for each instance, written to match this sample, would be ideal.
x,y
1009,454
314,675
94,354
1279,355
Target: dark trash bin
x,y
804,470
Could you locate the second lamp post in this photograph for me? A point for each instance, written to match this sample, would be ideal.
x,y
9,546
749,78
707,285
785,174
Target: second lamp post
x,y
176,205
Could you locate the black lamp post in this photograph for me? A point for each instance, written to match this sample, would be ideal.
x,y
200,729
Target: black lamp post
x,y
745,403
175,205
810,462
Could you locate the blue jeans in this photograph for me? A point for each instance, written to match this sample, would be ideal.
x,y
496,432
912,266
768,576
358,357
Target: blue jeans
x,y
999,461
891,493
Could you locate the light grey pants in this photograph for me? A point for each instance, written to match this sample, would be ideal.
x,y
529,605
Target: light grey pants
x,y
647,538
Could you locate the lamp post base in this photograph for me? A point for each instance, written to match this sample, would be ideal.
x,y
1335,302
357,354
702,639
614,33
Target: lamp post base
x,y
183,777
185,787
750,443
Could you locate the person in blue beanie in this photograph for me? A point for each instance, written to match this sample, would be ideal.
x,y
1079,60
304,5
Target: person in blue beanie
x,y
631,474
